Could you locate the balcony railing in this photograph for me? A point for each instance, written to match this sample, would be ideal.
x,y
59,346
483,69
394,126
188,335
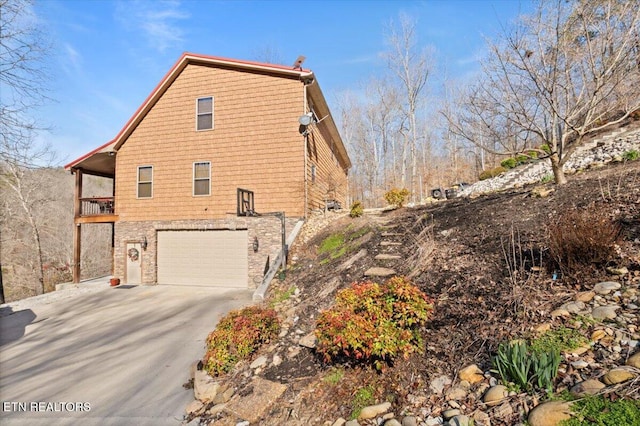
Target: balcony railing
x,y
96,206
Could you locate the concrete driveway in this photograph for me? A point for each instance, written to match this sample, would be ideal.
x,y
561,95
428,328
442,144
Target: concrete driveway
x,y
114,356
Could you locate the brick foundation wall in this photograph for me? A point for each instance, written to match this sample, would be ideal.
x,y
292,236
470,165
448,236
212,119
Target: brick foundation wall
x,y
267,229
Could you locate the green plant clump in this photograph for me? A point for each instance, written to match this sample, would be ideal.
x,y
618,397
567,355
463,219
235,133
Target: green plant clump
x,y
334,377
631,155
526,368
559,340
522,158
362,398
357,209
547,178
488,174
396,197
373,322
546,148
509,163
237,336
601,411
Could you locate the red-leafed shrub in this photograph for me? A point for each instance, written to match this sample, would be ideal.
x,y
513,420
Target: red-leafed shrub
x,y
237,336
373,322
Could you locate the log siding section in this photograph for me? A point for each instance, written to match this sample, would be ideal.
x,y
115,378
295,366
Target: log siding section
x,y
255,145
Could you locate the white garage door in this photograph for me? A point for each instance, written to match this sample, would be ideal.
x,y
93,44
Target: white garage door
x,y
204,258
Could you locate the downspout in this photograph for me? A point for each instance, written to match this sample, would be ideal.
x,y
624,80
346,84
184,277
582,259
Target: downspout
x,y
306,143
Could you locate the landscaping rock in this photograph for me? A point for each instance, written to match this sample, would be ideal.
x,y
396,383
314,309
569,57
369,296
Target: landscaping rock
x,y
339,422
259,362
574,307
392,422
374,410
634,360
605,312
617,375
452,412
456,393
253,406
588,387
378,271
471,374
461,420
617,271
438,384
606,287
352,423
205,387
549,413
385,256
194,408
409,421
308,341
585,296
495,395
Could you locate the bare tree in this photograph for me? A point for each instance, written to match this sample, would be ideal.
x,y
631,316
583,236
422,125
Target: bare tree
x,y
565,72
411,66
23,77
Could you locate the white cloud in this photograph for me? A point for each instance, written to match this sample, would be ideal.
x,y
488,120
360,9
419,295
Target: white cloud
x,y
157,21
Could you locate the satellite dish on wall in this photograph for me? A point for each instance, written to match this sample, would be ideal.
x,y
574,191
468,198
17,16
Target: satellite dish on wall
x,y
306,119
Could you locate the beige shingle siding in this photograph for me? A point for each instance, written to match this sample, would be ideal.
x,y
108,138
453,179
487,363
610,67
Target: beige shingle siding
x,y
254,145
331,178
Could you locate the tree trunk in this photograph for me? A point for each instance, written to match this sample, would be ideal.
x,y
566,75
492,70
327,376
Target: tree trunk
x,y
558,173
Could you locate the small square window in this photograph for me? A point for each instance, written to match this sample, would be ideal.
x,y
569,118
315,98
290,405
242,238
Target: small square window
x,y
145,181
204,113
202,178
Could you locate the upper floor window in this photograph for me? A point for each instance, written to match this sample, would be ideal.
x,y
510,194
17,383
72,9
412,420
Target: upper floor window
x,y
204,113
202,178
145,181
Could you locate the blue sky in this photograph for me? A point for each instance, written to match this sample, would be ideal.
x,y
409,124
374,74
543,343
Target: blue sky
x,y
107,56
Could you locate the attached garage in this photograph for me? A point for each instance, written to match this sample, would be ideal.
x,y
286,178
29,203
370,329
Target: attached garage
x,y
214,258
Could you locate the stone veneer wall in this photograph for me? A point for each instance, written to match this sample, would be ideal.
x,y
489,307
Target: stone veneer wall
x,y
266,228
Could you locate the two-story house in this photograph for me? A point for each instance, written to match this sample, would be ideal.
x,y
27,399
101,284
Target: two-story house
x,y
201,168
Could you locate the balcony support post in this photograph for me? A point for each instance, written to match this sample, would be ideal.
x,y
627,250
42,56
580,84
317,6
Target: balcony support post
x,y
77,230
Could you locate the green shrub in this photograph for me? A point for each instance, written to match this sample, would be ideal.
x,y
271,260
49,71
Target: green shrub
x,y
357,209
396,197
546,148
526,368
509,163
373,322
602,411
522,158
488,174
631,155
237,336
533,154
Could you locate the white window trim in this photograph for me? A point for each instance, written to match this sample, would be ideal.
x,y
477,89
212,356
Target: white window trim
x,y
198,114
193,189
138,182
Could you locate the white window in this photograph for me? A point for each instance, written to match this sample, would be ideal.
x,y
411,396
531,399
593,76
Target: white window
x,y
202,178
145,181
204,113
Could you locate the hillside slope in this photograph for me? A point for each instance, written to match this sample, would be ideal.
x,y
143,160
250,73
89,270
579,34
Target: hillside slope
x,y
486,263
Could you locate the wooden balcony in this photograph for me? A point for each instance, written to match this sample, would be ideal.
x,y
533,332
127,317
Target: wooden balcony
x,y
96,210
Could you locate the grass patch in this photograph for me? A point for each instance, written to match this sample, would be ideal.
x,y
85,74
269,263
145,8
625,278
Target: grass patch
x,y
362,398
338,244
282,295
598,410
